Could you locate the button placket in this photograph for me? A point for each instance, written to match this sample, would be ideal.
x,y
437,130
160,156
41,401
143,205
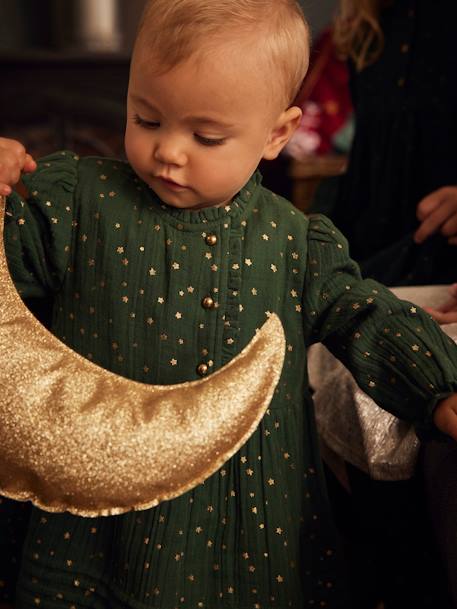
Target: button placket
x,y
405,47
209,304
211,240
202,369
233,304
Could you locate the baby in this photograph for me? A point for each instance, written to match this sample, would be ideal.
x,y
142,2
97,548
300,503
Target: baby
x,y
162,269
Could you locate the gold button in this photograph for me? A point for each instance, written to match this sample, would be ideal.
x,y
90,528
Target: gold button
x,y
208,303
404,48
211,240
202,369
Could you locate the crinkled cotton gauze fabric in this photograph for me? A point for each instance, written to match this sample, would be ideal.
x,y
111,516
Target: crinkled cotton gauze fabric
x,y
129,277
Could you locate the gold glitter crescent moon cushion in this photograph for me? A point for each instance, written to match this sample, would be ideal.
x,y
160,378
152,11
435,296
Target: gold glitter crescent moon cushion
x,y
75,437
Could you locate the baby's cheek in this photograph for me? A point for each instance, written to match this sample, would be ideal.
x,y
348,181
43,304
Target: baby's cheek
x,y
135,155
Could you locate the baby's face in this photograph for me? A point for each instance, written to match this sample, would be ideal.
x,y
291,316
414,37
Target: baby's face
x,y
196,133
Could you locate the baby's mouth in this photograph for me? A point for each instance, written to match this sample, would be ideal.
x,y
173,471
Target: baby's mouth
x,y
171,183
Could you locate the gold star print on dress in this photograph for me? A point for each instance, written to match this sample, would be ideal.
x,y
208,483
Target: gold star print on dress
x,y
76,437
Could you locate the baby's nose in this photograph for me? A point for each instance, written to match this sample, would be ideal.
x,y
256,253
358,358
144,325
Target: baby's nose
x,y
169,152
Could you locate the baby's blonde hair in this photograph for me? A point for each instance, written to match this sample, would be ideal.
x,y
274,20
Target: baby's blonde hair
x,y
174,30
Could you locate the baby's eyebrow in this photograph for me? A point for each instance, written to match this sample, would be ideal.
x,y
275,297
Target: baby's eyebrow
x,y
142,101
206,121
194,120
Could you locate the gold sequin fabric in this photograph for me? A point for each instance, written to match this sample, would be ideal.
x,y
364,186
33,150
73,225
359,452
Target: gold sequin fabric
x,y
64,419
162,296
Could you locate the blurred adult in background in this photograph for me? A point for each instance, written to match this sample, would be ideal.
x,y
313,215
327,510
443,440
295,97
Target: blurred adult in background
x,y
397,204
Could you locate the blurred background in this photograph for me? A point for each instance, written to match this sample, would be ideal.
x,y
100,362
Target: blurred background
x,y
65,72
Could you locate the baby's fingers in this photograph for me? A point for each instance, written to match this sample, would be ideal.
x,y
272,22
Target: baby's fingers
x,y
5,190
13,161
10,169
445,416
442,317
29,164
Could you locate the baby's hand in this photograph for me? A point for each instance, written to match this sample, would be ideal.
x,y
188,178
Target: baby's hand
x,y
14,160
445,416
447,312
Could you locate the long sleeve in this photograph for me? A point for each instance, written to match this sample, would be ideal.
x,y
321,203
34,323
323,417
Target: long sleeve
x,y
397,354
38,231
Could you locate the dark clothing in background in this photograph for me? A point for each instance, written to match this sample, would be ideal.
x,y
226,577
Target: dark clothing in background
x,y
440,473
405,145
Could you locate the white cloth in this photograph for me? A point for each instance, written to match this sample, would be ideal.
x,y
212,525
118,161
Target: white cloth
x,y
350,423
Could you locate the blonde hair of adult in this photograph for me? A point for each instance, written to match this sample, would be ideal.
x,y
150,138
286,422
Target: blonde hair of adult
x,y
174,30
358,34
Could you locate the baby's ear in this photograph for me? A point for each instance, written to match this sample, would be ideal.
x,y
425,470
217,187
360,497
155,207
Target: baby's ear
x,y
282,131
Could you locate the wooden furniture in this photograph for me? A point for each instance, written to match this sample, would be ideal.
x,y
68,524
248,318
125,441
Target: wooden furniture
x,y
306,174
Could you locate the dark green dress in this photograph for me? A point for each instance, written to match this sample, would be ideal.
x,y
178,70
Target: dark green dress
x,y
128,275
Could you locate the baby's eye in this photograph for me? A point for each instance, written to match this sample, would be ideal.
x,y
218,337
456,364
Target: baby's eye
x,y
209,141
144,123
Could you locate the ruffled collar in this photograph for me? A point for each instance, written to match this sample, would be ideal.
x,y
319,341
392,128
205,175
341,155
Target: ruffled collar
x,y
247,195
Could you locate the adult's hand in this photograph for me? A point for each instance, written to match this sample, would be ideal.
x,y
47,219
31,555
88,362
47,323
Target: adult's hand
x,y
437,213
